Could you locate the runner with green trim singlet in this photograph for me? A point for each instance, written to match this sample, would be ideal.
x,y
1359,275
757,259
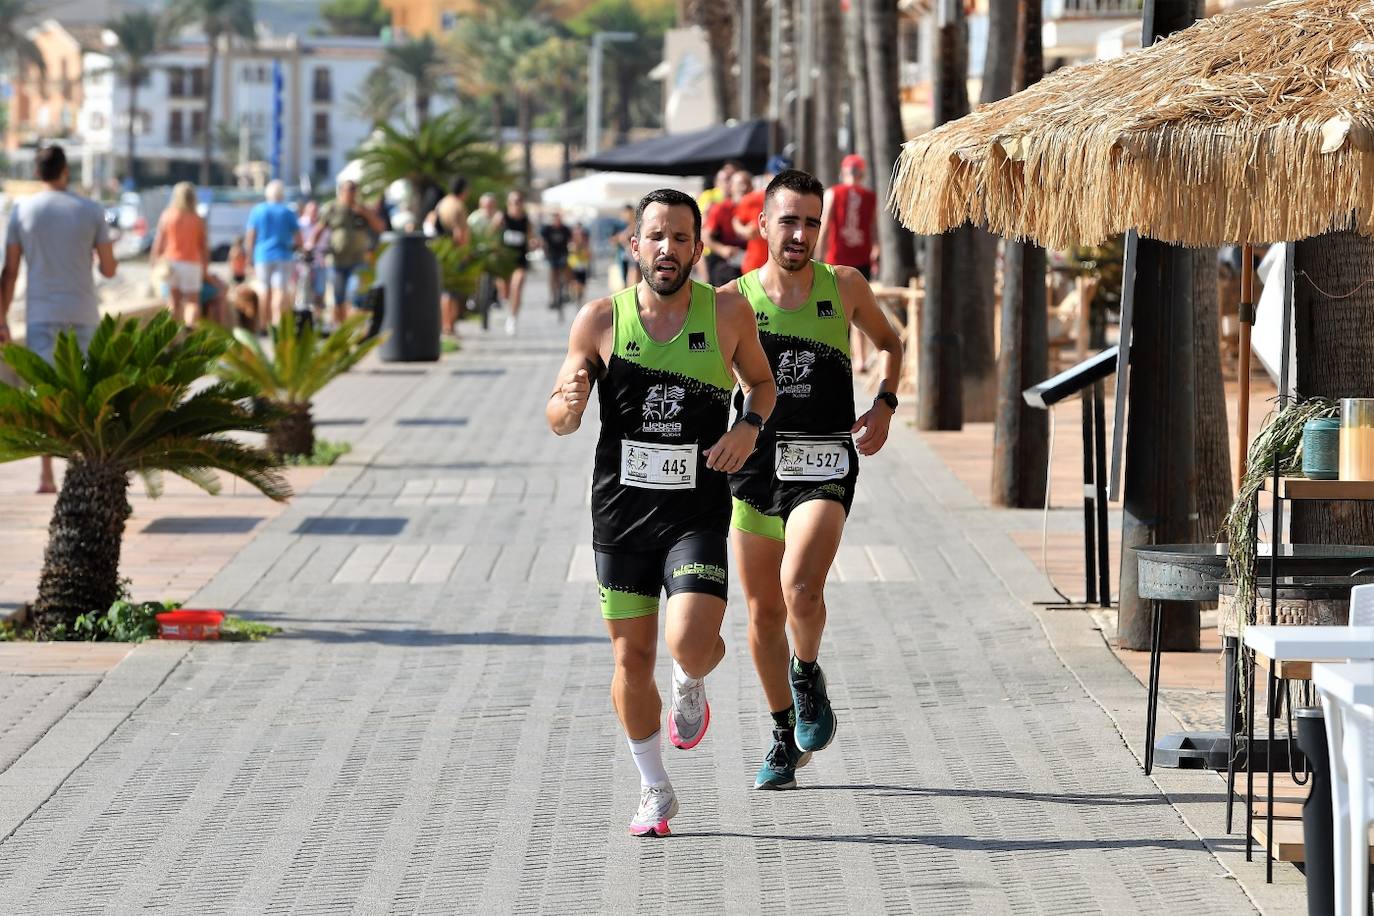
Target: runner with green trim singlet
x,y
666,354
794,493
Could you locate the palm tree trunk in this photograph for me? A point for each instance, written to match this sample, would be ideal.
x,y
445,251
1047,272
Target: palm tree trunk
x,y
623,88
294,433
1001,50
497,115
133,117
207,140
856,59
1021,436
979,320
81,563
567,129
829,86
1214,487
1333,301
525,116
898,257
421,103
948,283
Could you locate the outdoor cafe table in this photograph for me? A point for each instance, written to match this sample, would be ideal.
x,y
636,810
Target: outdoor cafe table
x,y
1307,644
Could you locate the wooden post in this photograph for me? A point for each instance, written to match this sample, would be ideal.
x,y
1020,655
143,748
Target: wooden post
x,y
1246,316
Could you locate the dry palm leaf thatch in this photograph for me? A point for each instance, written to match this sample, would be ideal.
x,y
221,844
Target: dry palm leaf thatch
x,y
1254,126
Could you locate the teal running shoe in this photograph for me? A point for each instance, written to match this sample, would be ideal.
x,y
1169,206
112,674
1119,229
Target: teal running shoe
x,y
779,770
815,718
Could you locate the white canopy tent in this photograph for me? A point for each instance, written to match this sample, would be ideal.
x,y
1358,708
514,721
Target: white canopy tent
x,y
607,193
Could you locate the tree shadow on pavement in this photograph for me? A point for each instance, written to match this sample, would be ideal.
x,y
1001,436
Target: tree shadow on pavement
x,y
1093,799
958,842
423,637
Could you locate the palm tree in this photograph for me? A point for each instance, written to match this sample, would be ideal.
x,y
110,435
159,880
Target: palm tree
x,y
129,405
520,40
377,98
428,158
881,39
300,364
140,35
418,61
15,47
217,19
559,65
629,61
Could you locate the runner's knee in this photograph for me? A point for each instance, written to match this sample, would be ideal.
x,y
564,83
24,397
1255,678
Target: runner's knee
x,y
767,614
634,662
805,597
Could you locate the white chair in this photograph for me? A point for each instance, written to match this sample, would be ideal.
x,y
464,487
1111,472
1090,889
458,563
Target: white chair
x,y
1362,605
1350,740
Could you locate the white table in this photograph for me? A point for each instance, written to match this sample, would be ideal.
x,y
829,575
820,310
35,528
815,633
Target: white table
x,y
1347,693
1312,643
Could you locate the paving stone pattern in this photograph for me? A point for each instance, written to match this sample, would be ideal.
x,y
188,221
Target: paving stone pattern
x,y
433,733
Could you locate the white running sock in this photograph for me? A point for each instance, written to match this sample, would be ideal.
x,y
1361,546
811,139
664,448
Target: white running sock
x,y
680,677
648,755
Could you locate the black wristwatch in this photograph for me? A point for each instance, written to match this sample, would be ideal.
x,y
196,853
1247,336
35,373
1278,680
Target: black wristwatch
x,y
752,419
888,398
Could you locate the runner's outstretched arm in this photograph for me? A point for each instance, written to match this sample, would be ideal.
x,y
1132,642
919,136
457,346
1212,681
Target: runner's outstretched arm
x,y
580,368
740,336
865,314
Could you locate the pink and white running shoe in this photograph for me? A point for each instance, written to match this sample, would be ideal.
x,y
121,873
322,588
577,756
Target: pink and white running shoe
x,y
657,804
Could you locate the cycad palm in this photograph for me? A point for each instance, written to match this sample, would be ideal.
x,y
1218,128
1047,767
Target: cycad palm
x,y
418,61
298,367
216,19
127,406
141,34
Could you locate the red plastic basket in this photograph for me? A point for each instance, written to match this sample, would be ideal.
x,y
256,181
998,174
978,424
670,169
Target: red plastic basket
x,y
186,624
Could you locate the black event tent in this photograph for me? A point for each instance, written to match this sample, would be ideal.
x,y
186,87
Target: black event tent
x,y
699,152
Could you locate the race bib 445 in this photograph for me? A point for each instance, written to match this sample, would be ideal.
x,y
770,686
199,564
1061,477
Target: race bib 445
x,y
655,466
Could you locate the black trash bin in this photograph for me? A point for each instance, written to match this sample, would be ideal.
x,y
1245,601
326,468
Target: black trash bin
x,y
1316,813
408,273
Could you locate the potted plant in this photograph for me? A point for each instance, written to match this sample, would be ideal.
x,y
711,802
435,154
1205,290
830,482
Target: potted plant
x,y
129,404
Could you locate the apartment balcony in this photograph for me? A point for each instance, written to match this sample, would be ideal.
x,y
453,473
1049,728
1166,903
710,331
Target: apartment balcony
x,y
321,139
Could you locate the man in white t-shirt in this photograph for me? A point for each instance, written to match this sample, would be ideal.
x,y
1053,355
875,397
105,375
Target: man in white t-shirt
x,y
57,233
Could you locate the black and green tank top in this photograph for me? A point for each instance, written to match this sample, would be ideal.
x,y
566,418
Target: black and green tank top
x,y
662,405
808,348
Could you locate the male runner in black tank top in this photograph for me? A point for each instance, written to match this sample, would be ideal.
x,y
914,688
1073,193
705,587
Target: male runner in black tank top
x,y
793,494
663,352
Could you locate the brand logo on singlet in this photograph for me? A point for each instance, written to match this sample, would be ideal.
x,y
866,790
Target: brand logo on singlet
x,y
696,340
794,367
761,318
632,350
825,309
661,404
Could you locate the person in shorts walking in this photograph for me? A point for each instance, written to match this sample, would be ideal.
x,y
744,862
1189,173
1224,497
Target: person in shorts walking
x,y
273,236
56,234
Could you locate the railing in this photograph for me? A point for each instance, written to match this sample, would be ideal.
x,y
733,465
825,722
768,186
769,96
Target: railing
x,y
1090,9
319,138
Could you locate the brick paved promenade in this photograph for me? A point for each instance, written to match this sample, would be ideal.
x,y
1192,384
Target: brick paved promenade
x,y
433,732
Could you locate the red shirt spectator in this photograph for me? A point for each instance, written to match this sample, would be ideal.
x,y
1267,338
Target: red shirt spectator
x,y
747,212
849,227
720,223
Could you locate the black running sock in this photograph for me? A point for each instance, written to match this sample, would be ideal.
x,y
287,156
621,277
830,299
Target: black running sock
x,y
806,669
786,718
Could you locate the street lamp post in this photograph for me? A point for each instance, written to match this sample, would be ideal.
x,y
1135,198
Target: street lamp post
x,y
594,86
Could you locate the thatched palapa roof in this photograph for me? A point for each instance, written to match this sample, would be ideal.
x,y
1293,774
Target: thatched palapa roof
x,y
1254,126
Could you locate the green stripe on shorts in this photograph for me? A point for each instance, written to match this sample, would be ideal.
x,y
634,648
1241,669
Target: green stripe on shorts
x,y
618,605
746,518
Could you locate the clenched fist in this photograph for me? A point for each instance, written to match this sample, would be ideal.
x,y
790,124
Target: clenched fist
x,y
576,389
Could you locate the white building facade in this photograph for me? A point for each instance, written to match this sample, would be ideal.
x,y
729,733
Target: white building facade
x,y
318,129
